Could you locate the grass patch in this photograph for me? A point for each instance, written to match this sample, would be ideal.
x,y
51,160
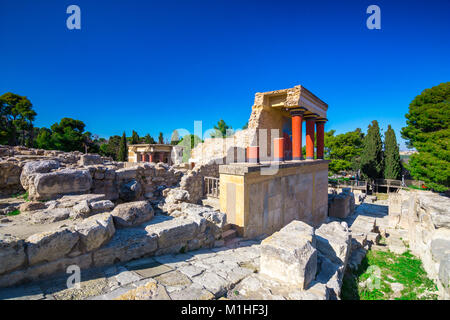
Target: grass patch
x,y
23,196
14,213
380,269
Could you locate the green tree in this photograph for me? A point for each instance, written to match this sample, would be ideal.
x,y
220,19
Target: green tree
x,y
161,138
111,147
68,135
44,139
123,149
372,154
392,165
344,150
428,131
16,119
245,126
148,139
222,130
134,138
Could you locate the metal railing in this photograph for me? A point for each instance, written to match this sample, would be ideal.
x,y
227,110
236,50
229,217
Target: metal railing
x,y
211,187
347,183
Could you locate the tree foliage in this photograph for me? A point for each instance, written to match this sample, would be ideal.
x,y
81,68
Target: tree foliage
x,y
428,131
148,139
221,130
161,138
111,147
344,150
372,162
134,138
16,120
392,165
123,149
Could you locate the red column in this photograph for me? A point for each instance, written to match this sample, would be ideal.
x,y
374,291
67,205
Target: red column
x,y
278,149
297,118
150,157
320,128
310,121
143,157
161,157
253,154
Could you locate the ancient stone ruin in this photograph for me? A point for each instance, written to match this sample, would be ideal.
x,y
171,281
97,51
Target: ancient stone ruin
x,y
252,215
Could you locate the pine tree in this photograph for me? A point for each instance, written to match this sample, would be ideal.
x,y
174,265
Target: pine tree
x,y
392,165
372,155
123,152
134,138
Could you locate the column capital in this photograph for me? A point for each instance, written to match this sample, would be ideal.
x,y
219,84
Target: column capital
x,y
311,116
321,120
297,111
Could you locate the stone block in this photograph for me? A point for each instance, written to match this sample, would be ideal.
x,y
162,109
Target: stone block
x,y
289,255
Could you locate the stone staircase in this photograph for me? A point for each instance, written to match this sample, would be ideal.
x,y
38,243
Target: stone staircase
x,y
229,234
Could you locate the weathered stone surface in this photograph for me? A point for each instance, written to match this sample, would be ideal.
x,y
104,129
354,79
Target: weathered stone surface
x,y
150,291
334,241
95,231
53,184
444,274
51,215
90,159
174,232
340,206
132,214
12,253
30,169
289,255
10,177
51,245
126,244
101,206
31,206
130,191
81,210
438,208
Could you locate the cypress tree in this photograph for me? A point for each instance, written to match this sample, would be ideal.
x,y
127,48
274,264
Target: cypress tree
x,y
161,138
372,155
134,138
392,166
123,152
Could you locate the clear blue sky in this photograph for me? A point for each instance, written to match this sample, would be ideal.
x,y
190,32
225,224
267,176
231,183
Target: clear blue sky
x,y
159,65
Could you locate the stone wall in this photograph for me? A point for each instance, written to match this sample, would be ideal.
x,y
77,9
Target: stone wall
x,y
13,159
103,239
426,217
259,203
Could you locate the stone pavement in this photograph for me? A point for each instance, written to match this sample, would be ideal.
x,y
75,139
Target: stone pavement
x,y
200,274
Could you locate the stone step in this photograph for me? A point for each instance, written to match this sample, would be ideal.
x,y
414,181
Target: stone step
x,y
229,234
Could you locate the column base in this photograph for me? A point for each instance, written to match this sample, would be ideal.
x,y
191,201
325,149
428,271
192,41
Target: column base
x,y
309,158
297,158
253,160
278,159
321,158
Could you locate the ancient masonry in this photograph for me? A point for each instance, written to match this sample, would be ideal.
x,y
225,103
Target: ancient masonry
x,y
252,215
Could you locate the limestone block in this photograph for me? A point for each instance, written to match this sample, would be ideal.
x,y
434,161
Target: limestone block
x,y
101,206
125,245
12,253
51,215
174,232
130,191
340,206
53,184
31,206
334,241
95,231
132,214
444,273
50,245
90,159
31,168
289,255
